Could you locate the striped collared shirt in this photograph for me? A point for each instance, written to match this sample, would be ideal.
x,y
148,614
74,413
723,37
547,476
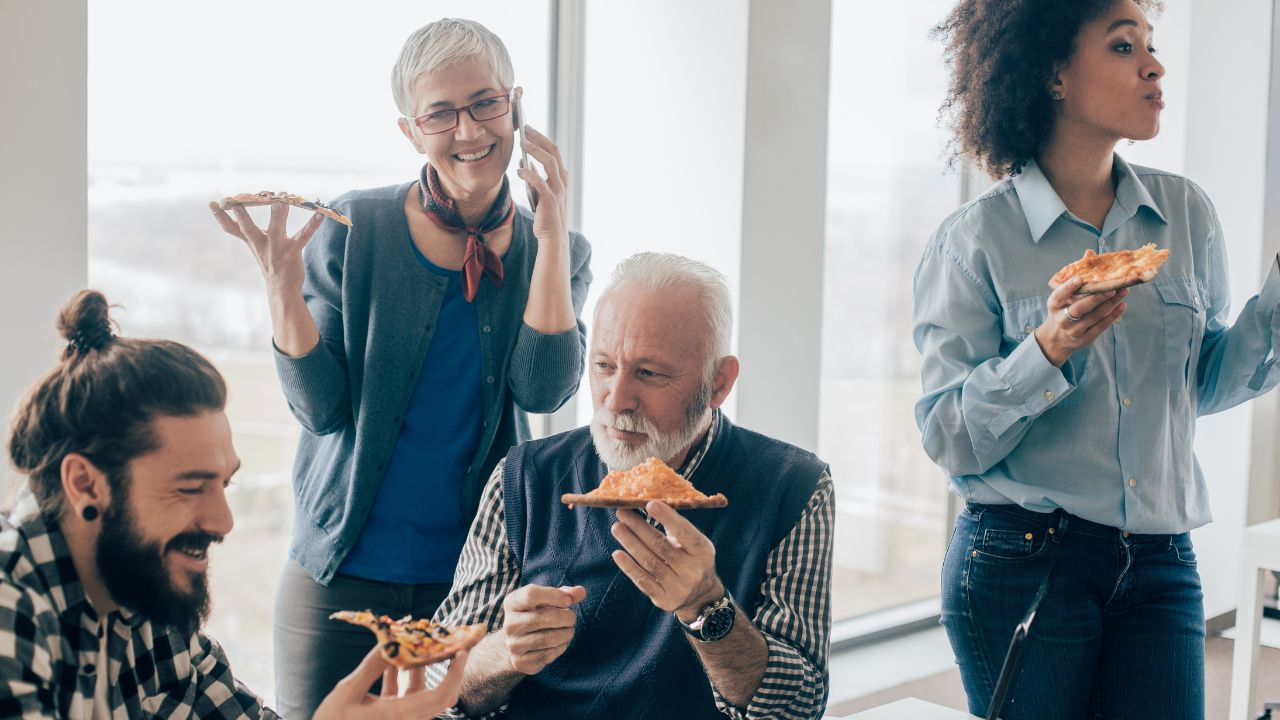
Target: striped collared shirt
x,y
793,608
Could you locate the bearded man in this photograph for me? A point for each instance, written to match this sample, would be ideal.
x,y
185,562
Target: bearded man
x,y
103,565
602,613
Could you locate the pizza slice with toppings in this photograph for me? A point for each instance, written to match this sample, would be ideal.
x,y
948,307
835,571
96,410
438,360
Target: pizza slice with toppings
x,y
1113,270
408,643
266,197
650,480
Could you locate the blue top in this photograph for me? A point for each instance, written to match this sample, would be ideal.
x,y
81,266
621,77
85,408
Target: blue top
x,y
1109,436
419,503
375,305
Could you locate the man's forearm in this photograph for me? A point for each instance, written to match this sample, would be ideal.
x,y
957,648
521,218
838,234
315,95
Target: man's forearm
x,y
489,679
735,664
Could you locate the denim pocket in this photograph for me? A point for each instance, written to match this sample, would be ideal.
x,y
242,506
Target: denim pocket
x,y
1182,549
1009,544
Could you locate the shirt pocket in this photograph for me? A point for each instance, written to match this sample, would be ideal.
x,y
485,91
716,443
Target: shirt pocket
x,y
1020,320
1183,311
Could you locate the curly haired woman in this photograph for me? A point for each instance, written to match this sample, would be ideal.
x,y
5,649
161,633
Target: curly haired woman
x,y
1064,420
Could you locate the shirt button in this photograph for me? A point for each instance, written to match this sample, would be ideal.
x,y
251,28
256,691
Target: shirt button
x,y
1027,328
1133,482
1028,536
1048,395
1127,402
489,379
485,328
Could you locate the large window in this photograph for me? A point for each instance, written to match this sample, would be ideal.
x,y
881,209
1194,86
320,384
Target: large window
x,y
188,103
887,190
662,148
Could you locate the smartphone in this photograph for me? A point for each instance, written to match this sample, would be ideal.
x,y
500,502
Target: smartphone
x,y
517,116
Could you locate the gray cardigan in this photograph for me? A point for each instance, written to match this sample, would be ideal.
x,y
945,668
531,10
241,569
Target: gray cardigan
x,y
376,306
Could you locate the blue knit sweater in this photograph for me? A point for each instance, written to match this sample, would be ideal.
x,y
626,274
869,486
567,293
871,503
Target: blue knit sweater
x,y
376,307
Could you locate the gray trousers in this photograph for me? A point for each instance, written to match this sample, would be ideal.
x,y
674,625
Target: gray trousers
x,y
312,652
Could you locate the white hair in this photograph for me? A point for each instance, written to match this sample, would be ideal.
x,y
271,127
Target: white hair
x,y
658,272
441,44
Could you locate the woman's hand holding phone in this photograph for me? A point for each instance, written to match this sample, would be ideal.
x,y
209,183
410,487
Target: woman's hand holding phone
x,y
550,215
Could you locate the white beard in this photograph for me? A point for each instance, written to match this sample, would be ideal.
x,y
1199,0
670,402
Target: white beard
x,y
618,455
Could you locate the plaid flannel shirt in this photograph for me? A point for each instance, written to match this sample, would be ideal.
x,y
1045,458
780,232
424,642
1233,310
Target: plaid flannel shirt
x,y
49,645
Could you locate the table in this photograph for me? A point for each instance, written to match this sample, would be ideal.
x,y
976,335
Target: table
x,y
909,709
1261,553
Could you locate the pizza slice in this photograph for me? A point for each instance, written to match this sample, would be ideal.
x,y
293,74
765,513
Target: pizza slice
x,y
408,643
266,197
650,480
1113,270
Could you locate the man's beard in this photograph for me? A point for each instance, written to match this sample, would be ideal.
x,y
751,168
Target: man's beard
x,y
137,574
617,455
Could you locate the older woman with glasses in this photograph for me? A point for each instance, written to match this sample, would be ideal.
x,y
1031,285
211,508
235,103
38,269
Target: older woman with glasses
x,y
409,346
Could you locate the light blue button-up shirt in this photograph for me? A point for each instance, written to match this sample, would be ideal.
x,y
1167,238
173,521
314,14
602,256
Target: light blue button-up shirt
x,y
1108,437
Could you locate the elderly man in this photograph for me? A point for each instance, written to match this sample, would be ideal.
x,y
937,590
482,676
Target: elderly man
x,y
597,613
103,567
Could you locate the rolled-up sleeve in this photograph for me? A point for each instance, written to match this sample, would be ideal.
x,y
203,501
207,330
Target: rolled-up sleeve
x,y
794,616
977,404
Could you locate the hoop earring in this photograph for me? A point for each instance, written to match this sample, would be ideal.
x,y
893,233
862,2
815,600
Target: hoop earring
x,y
1055,95
89,513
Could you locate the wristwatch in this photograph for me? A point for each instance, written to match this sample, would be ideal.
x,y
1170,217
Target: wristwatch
x,y
714,622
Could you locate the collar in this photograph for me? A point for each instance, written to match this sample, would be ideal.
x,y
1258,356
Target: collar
x,y
692,462
1043,207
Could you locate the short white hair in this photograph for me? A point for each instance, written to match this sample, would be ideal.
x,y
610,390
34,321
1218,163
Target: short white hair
x,y
657,272
441,44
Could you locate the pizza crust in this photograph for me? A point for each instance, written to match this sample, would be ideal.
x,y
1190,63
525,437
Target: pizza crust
x,y
1113,270
603,501
266,197
407,643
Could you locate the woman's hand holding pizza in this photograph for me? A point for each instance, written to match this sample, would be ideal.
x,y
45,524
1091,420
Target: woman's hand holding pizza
x,y
279,255
676,570
538,624
1075,321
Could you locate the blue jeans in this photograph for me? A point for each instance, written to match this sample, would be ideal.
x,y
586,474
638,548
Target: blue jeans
x,y
1120,634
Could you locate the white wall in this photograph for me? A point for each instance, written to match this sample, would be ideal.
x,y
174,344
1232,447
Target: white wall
x,y
784,201
662,160
1229,83
42,187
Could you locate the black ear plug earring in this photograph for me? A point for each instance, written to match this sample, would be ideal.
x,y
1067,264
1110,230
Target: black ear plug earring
x,y
89,513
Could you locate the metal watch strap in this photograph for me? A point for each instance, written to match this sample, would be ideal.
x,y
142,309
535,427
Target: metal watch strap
x,y
695,628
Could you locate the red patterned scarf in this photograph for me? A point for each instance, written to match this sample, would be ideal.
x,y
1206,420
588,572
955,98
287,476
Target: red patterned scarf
x,y
479,259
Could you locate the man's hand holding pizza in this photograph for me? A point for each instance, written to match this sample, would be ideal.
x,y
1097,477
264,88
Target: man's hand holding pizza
x,y
677,571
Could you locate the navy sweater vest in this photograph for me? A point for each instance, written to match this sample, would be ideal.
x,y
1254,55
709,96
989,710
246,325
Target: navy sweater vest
x,y
628,659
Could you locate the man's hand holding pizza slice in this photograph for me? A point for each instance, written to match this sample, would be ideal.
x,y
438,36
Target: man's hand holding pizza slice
x,y
675,569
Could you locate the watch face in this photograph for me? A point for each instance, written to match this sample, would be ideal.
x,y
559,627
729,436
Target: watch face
x,y
718,623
